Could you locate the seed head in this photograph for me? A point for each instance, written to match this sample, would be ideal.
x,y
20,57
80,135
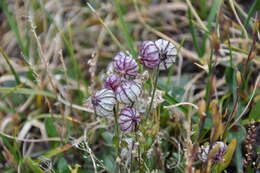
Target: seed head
x,y
149,54
103,102
128,92
167,53
112,82
129,119
125,65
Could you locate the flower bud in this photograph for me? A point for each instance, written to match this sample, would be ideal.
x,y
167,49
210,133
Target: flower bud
x,y
129,119
167,53
103,102
149,54
125,65
128,92
215,154
112,82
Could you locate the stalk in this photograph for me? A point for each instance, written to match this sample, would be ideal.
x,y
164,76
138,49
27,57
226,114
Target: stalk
x,y
154,89
117,134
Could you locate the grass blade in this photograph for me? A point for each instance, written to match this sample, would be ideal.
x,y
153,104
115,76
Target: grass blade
x,y
194,36
16,76
14,27
125,30
26,91
255,6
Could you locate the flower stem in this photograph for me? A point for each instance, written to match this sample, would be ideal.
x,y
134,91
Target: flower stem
x,y
154,89
117,135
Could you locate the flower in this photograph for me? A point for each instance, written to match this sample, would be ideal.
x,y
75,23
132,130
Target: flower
x,y
215,154
149,54
112,82
125,65
128,92
103,102
167,53
129,119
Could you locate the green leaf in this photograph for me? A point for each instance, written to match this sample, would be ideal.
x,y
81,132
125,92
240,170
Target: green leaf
x,y
239,158
214,9
255,112
255,6
110,163
63,166
231,80
108,137
34,167
238,132
51,130
227,157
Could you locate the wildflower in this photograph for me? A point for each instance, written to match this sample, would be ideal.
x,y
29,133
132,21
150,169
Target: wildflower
x,y
103,102
129,119
112,82
215,154
167,53
149,54
125,65
128,92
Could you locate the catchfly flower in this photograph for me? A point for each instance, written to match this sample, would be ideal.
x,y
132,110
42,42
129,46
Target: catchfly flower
x,y
103,102
215,154
129,119
167,52
149,54
128,92
112,82
125,65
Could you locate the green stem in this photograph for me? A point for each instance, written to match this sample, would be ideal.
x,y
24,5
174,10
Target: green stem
x,y
208,94
117,134
154,89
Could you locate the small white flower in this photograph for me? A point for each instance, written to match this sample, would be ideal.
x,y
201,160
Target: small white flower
x,y
103,102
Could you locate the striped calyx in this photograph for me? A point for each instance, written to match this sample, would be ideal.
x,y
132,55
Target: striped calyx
x,y
112,82
129,119
125,65
128,92
149,54
103,102
167,52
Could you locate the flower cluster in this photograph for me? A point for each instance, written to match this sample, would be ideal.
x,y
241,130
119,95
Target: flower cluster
x,y
121,86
